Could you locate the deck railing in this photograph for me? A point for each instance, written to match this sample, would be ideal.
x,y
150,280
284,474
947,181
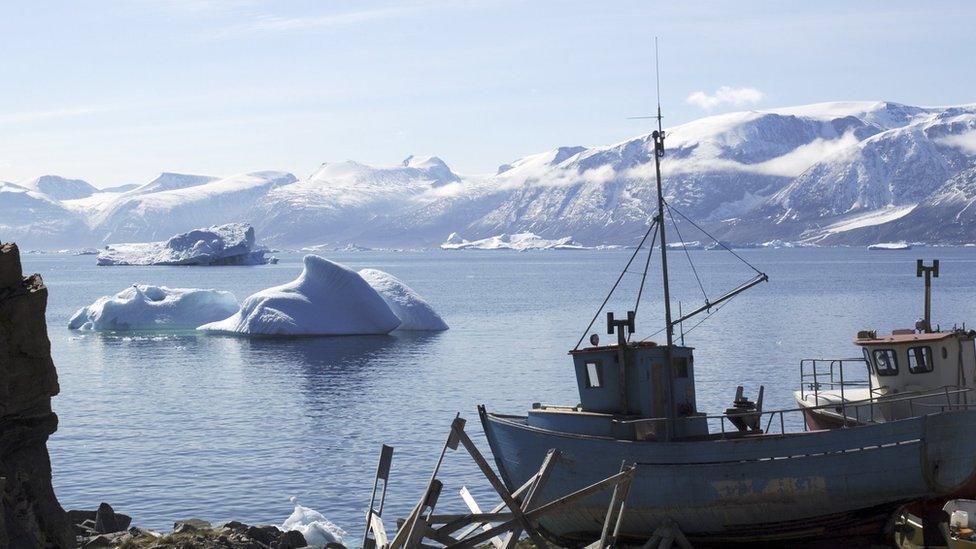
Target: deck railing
x,y
911,399
818,374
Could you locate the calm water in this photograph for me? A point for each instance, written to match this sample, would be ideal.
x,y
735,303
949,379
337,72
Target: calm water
x,y
170,426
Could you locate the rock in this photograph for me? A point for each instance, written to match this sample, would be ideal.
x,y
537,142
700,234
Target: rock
x,y
291,539
77,516
105,522
104,540
235,526
190,525
32,516
264,534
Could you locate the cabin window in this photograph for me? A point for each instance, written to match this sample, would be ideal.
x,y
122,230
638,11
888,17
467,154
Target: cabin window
x,y
681,367
885,362
594,375
945,353
920,360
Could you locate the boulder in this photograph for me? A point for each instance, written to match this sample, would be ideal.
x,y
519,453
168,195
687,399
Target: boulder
x,y
291,539
108,521
31,514
264,534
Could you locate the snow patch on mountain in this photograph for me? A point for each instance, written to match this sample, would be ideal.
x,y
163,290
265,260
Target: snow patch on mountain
x,y
60,188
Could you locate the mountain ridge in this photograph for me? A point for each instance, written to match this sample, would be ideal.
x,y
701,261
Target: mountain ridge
x,y
837,173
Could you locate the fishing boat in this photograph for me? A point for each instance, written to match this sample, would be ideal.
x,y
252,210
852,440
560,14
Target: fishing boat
x,y
937,367
736,476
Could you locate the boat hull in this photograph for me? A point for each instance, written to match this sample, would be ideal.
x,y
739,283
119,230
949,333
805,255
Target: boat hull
x,y
809,485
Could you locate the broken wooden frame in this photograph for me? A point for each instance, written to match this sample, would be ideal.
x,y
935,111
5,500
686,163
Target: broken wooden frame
x,y
505,523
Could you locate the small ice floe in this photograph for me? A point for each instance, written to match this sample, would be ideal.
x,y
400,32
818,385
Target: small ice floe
x,y
412,310
230,244
317,529
143,307
326,299
887,246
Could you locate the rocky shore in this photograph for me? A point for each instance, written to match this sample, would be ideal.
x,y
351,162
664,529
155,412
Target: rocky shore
x,y
106,528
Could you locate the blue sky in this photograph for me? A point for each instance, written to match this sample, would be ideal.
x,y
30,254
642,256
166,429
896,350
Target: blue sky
x,y
116,91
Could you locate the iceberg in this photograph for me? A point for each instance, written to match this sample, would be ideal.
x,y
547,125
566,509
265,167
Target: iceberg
x,y
412,310
230,244
891,246
317,529
326,299
517,241
144,307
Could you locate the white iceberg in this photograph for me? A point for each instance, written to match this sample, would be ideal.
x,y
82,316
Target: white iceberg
x,y
230,244
143,307
326,299
891,246
317,529
517,241
412,310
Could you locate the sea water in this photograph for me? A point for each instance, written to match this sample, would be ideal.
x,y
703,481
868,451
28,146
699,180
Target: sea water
x,y
171,426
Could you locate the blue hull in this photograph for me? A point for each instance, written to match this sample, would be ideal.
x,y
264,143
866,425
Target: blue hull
x,y
769,487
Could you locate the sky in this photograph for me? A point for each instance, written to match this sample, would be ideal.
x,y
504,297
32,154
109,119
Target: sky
x,y
115,92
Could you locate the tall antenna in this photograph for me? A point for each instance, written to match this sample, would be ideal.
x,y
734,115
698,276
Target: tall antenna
x,y
658,153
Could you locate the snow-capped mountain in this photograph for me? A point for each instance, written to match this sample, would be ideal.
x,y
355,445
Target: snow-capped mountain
x,y
831,173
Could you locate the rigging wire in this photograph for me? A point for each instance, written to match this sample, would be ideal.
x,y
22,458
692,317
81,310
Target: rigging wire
x,y
687,254
647,264
717,241
700,322
652,227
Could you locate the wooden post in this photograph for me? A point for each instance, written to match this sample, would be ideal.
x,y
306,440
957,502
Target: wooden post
x,y
382,473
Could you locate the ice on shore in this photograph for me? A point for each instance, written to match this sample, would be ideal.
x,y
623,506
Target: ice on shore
x,y
413,311
144,307
326,299
317,529
517,241
902,245
230,244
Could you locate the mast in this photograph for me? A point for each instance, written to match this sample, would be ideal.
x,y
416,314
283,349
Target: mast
x,y
658,153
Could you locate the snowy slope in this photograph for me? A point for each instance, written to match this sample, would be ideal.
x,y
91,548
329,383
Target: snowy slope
x,y
60,188
342,201
136,216
37,221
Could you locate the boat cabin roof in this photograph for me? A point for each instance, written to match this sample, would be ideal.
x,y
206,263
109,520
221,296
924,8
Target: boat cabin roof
x,y
904,338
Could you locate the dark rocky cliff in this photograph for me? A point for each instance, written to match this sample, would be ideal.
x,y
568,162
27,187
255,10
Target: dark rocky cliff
x,y
31,515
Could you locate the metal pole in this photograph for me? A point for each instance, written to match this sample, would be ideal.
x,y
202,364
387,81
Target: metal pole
x,y
658,137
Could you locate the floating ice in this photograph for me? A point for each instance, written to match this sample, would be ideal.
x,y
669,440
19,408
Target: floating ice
x,y
326,299
230,244
517,241
317,529
143,307
412,310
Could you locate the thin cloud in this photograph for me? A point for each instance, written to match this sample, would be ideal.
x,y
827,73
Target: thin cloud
x,y
275,23
35,116
726,95
964,141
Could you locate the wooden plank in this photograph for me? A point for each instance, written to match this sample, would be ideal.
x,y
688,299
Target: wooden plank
x,y
475,508
379,532
541,478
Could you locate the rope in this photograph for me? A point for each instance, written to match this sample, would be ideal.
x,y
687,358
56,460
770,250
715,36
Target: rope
x,y
647,264
717,241
688,255
652,227
700,322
